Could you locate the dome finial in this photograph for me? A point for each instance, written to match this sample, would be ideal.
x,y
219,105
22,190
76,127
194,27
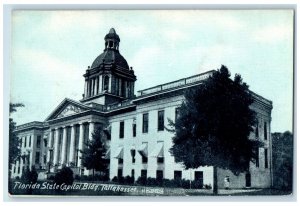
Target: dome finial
x,y
112,31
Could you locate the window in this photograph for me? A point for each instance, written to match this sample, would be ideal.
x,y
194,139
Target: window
x,y
117,87
121,129
145,122
159,174
37,157
111,44
123,88
199,178
265,131
120,173
161,124
144,159
160,160
256,130
38,141
144,173
19,168
132,173
266,158
177,175
176,113
198,175
90,87
134,128
120,161
45,158
29,145
105,83
257,158
45,142
25,141
248,179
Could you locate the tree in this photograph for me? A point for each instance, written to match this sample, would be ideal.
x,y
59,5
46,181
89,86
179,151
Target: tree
x,y
93,156
30,176
213,125
14,142
282,157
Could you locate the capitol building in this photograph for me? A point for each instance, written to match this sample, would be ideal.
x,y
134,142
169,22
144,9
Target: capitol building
x,y
139,143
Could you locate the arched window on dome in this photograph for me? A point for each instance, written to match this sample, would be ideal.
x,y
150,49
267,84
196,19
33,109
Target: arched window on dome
x,y
106,83
111,44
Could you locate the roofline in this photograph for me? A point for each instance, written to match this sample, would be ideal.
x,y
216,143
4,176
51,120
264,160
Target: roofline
x,y
210,71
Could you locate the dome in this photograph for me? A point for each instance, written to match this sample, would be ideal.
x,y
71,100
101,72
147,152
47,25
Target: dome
x,y
111,54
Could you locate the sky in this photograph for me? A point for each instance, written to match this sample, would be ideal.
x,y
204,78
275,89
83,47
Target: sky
x,y
51,50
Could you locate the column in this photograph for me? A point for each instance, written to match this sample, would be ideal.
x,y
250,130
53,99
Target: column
x,y
49,145
120,87
80,144
97,85
93,87
56,148
72,144
23,142
30,160
100,84
86,89
109,84
91,130
17,166
21,165
64,146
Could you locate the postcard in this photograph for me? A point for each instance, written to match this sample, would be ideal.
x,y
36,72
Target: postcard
x,y
151,102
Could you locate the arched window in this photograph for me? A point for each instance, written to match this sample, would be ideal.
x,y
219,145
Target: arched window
x,y
105,83
111,44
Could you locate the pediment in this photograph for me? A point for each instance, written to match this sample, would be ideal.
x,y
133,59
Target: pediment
x,y
67,108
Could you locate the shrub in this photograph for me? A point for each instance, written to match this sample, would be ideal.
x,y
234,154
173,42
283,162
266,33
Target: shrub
x,y
208,187
114,179
84,178
185,184
51,177
65,175
169,183
17,178
30,176
77,177
104,178
141,181
196,184
121,180
128,180
152,181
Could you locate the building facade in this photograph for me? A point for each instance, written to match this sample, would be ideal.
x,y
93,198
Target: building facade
x,y
139,143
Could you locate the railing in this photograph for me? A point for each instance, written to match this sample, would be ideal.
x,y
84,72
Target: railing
x,y
98,106
176,84
118,105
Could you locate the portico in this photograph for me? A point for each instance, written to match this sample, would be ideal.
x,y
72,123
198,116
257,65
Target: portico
x,y
71,125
